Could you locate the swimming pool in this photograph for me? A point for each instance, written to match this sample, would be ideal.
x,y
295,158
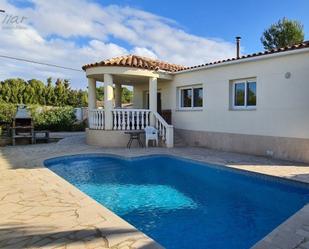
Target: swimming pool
x,y
183,203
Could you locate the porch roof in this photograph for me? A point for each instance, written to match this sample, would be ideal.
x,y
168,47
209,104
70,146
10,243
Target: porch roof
x,y
137,62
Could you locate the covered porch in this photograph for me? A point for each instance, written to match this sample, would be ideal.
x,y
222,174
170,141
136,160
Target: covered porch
x,y
107,125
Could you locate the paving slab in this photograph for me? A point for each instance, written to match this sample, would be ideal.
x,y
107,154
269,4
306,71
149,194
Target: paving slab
x,y
39,209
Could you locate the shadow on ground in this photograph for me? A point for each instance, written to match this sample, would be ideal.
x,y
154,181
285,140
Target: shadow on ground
x,y
14,236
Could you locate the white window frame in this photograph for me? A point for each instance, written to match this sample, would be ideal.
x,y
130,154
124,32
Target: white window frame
x,y
192,100
245,106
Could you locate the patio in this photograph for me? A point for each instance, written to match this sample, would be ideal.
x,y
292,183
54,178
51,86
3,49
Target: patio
x,y
41,210
107,126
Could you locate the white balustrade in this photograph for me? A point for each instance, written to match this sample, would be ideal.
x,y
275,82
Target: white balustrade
x,y
133,119
166,131
96,119
130,119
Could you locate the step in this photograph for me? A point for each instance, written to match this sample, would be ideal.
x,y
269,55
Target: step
x,y
179,141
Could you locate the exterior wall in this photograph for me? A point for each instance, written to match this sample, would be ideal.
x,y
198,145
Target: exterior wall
x,y
140,90
282,109
295,149
108,138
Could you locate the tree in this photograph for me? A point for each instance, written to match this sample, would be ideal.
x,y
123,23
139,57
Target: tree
x,y
283,33
58,93
100,93
17,87
29,95
127,95
39,91
6,92
49,92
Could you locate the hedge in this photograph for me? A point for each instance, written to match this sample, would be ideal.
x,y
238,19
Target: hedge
x,y
45,117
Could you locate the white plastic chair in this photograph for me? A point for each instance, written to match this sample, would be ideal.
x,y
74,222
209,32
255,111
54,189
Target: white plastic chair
x,y
151,133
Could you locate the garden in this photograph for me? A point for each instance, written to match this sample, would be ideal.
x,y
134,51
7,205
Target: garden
x,y
51,104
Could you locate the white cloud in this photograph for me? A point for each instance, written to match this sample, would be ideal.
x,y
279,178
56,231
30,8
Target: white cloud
x,y
144,52
54,30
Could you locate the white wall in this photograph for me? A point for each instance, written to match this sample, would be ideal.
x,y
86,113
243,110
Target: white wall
x,y
282,104
139,95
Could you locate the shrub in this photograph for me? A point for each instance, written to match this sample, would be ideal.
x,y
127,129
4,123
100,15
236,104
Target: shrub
x,y
7,112
53,118
44,117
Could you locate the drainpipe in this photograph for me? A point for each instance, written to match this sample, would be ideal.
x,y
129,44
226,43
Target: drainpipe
x,y
238,47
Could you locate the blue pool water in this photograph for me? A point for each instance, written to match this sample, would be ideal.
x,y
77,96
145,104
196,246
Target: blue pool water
x,y
182,203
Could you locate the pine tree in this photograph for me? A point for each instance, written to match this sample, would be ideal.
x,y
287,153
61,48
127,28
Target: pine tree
x,y
283,33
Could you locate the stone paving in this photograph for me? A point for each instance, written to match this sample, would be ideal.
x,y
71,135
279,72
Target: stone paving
x,y
38,209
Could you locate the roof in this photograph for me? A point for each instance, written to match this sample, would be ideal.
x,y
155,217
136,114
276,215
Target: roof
x,y
137,62
302,45
152,64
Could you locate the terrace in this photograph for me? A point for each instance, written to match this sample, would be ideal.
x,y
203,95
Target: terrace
x,y
106,125
41,210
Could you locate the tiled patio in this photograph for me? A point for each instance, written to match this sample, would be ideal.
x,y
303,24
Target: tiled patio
x,y
39,209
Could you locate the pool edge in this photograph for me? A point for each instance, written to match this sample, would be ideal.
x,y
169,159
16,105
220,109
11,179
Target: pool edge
x,y
272,239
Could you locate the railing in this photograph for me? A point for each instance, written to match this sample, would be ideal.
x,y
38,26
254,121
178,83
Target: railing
x,y
96,119
133,119
166,131
130,119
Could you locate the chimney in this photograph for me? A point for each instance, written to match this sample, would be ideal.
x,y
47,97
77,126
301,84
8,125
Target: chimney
x,y
238,47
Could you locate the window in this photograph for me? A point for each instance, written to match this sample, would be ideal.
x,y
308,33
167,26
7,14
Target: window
x,y
244,94
198,97
191,97
186,98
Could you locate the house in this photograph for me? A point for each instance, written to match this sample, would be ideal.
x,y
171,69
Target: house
x,y
256,104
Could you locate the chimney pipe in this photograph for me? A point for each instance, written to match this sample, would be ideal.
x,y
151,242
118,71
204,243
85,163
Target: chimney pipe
x,y
238,47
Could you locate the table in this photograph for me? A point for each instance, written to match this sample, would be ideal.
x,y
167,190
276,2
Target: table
x,y
135,135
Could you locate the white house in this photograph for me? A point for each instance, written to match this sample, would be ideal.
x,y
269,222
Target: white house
x,y
256,104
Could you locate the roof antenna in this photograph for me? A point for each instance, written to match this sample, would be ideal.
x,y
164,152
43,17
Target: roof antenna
x,y
238,47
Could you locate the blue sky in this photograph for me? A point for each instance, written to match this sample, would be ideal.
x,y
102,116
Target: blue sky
x,y
76,32
226,19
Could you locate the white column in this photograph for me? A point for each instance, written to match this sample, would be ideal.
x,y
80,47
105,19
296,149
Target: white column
x,y
92,101
118,95
153,98
108,101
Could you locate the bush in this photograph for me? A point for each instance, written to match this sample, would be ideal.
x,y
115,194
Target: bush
x,y
7,112
53,118
45,117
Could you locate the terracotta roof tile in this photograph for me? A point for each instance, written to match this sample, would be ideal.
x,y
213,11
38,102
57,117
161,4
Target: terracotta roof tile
x,y
151,64
138,62
304,44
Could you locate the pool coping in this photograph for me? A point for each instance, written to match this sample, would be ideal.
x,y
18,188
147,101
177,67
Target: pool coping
x,y
225,167
28,161
278,238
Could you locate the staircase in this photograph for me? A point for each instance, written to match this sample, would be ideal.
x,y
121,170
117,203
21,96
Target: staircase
x,y
178,140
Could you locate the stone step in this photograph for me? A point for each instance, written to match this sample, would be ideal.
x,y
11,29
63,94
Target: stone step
x,y
178,140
